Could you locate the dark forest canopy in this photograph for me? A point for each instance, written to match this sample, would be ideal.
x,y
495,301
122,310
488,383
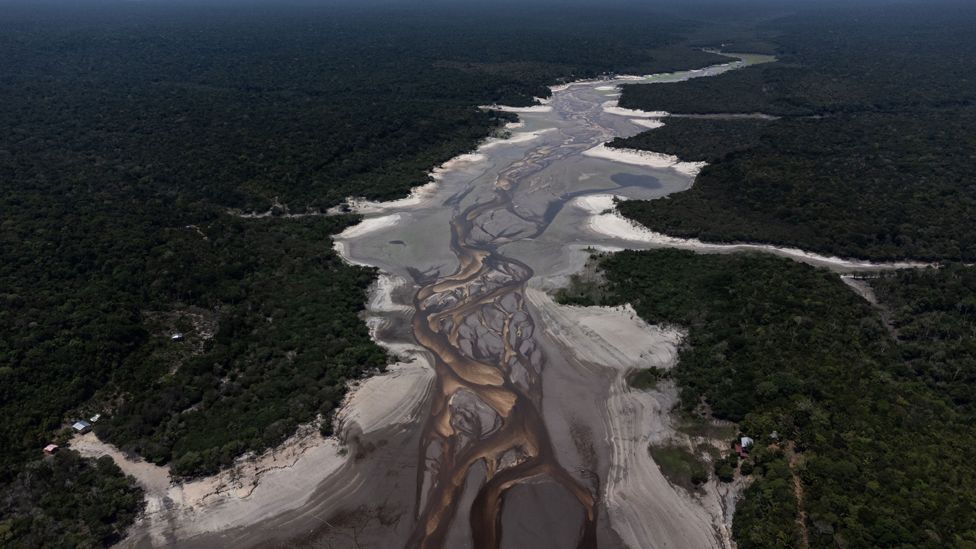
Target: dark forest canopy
x,y
881,415
883,186
872,156
129,134
131,130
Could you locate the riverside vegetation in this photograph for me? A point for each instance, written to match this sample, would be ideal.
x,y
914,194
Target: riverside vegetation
x,y
872,406
878,419
131,132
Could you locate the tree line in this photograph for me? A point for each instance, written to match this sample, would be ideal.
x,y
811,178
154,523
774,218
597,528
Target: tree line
x,y
881,419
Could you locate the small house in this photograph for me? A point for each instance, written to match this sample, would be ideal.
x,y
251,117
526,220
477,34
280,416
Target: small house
x,y
95,418
741,451
50,449
176,336
81,427
746,442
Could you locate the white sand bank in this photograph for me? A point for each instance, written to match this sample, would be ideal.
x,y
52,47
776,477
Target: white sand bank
x,y
606,221
645,158
393,398
651,124
533,108
611,107
369,225
609,336
418,195
515,138
644,508
381,295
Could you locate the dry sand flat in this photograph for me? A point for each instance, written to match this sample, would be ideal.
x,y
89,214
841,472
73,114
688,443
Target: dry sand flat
x,y
255,487
645,158
645,510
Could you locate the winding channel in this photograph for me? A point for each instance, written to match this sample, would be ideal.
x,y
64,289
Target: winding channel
x,y
507,421
485,409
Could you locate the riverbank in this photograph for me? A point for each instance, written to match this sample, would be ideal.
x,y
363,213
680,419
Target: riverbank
x,y
645,508
277,482
605,220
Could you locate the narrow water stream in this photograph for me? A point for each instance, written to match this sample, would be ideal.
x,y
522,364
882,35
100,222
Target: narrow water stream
x,y
486,427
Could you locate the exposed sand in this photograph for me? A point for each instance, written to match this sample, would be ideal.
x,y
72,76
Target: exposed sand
x,y
645,510
861,288
394,397
368,225
651,124
279,480
381,295
609,336
606,220
644,158
515,138
533,108
418,195
254,488
611,107
153,478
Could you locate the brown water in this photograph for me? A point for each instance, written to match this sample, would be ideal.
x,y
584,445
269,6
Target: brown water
x,y
509,444
487,399
486,434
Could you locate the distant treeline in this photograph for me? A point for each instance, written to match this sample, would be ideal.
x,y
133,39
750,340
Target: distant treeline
x,y
128,135
872,158
875,419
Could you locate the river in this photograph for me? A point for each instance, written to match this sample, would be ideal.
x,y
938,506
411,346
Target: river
x,y
507,420
497,463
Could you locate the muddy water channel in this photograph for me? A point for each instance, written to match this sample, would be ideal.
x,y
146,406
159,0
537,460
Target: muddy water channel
x,y
507,421
496,463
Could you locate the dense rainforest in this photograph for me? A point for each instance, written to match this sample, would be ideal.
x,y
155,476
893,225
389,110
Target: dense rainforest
x,y
132,135
871,410
872,155
863,413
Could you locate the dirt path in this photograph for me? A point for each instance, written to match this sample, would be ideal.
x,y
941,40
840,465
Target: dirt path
x,y
795,460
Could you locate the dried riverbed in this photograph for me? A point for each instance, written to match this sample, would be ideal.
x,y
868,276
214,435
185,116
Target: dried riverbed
x,y
532,436
508,421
